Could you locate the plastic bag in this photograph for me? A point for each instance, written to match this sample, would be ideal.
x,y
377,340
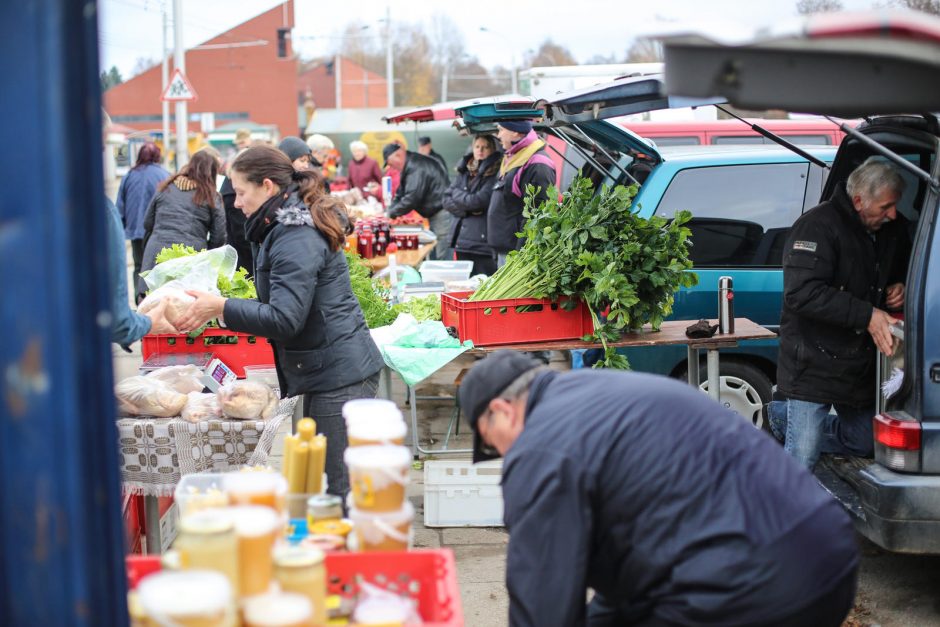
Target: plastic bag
x,y
183,379
201,406
146,396
196,272
174,293
378,606
416,350
247,400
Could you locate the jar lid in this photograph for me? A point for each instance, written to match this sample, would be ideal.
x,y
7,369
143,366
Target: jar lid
x,y
184,593
277,608
324,502
259,482
376,428
297,556
253,520
206,521
368,407
384,457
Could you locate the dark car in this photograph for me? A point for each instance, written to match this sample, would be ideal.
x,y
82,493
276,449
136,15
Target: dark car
x,y
863,66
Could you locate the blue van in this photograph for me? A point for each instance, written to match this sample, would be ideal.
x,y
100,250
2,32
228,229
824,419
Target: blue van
x,y
743,199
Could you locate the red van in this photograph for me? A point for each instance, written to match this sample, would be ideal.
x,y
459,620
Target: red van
x,y
694,132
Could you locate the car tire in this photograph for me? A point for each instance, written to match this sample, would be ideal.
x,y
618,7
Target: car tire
x,y
745,389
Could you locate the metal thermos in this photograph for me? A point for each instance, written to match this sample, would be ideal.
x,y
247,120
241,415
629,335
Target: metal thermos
x,y
725,305
386,190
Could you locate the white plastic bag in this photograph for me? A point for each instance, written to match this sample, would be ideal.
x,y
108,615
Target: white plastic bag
x,y
201,406
195,272
247,400
145,396
174,293
183,379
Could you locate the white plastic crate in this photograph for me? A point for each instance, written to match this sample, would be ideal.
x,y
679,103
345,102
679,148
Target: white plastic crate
x,y
461,494
444,271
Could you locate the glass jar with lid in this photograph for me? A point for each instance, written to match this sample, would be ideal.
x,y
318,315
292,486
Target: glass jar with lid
x,y
300,569
207,541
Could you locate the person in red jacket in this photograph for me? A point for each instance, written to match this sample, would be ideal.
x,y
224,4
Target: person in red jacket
x,y
364,171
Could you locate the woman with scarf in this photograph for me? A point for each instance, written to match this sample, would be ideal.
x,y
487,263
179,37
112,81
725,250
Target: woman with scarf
x,y
468,199
525,163
186,210
306,307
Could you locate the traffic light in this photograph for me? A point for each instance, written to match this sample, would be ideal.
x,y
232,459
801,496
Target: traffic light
x,y
282,35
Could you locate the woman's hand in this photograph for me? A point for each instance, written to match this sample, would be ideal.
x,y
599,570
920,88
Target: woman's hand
x,y
158,322
206,307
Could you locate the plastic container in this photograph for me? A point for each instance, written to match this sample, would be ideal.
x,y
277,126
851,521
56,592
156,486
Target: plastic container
x,y
194,597
462,494
368,408
256,488
383,531
300,570
427,576
199,491
263,373
257,529
444,271
376,431
378,476
513,320
236,350
277,609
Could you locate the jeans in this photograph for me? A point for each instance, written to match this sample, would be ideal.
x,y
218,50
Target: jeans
x,y
137,252
440,224
807,429
326,408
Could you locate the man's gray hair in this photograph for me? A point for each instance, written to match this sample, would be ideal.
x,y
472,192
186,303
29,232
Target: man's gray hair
x,y
359,145
873,176
319,142
520,384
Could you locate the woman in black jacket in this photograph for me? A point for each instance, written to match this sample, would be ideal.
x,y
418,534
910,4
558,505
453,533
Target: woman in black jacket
x,y
468,198
305,306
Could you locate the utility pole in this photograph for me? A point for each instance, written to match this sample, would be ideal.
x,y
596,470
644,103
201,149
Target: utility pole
x,y
179,62
338,79
165,73
444,84
389,70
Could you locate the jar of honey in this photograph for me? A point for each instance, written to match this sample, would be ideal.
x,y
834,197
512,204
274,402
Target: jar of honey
x,y
300,570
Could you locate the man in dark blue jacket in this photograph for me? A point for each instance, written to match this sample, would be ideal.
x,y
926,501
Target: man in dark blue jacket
x,y
673,509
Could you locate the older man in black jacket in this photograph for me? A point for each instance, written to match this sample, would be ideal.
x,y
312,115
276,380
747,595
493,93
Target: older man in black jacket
x,y
421,188
672,508
844,265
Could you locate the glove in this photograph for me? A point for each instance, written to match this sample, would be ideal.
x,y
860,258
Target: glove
x,y
701,329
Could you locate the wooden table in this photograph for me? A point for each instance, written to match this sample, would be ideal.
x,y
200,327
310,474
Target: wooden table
x,y
402,257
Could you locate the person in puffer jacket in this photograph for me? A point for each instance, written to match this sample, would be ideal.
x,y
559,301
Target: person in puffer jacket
x,y
525,163
468,200
306,306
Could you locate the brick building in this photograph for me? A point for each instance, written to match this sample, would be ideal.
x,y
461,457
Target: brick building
x,y
361,89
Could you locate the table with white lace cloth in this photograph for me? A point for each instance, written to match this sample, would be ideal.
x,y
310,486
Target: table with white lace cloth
x,y
156,452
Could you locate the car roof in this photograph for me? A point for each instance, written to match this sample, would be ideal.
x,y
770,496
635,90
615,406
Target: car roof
x,y
741,153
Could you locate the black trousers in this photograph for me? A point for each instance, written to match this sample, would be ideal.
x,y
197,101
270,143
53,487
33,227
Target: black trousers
x,y
137,252
829,610
482,264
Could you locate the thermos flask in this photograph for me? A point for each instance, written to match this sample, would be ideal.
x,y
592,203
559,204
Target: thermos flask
x,y
725,305
386,190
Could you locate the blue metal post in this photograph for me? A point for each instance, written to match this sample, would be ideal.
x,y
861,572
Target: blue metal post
x,y
61,547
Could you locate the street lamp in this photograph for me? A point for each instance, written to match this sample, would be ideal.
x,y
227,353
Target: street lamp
x,y
512,71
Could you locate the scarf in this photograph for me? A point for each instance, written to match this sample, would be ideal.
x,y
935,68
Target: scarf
x,y
184,184
521,152
260,222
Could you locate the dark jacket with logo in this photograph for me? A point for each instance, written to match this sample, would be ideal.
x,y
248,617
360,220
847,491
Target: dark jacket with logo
x,y
468,199
671,507
421,187
307,308
834,273
504,218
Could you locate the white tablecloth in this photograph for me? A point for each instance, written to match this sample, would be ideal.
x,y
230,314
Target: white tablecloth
x,y
156,452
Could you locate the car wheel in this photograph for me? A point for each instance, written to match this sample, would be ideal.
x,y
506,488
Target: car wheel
x,y
745,389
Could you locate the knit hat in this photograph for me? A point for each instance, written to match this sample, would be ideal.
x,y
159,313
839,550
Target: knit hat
x,y
389,149
294,147
485,381
518,126
424,140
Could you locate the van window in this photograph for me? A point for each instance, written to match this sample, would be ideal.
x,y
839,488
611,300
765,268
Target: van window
x,y
816,140
741,213
672,140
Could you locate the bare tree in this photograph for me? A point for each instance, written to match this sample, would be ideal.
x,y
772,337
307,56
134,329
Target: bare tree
x,y
142,64
599,59
644,50
807,7
549,54
924,6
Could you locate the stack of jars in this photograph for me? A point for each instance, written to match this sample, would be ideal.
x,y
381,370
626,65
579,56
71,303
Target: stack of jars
x,y
372,237
229,567
378,475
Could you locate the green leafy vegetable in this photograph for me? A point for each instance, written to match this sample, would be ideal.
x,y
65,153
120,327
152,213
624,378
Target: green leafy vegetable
x,y
595,248
424,308
372,299
174,252
239,286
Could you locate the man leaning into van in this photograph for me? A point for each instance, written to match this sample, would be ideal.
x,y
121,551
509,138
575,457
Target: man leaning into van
x,y
843,270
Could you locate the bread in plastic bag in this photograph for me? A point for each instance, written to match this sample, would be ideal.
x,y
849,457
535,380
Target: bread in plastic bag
x,y
177,300
247,400
201,406
145,396
183,379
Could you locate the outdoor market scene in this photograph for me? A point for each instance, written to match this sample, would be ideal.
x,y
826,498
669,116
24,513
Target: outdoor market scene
x,y
603,315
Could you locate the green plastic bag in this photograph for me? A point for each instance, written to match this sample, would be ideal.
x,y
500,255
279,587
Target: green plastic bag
x,y
421,349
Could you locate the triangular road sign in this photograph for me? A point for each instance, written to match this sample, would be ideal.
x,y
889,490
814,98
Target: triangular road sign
x,y
178,88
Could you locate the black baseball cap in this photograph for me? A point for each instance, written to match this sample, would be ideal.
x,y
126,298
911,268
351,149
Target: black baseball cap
x,y
487,380
389,149
424,140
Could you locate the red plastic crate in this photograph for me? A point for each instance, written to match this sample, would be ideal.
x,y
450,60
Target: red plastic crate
x,y
498,322
236,350
428,576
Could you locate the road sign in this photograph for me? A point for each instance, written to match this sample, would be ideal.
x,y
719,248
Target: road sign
x,y
178,89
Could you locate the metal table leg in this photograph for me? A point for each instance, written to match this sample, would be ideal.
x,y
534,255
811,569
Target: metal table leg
x,y
692,360
714,380
152,520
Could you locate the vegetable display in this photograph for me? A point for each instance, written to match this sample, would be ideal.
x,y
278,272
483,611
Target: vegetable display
x,y
594,247
373,297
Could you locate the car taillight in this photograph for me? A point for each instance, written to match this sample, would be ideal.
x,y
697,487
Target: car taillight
x,y
897,443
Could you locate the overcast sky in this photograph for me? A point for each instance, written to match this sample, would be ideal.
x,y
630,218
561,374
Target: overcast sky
x,y
129,29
